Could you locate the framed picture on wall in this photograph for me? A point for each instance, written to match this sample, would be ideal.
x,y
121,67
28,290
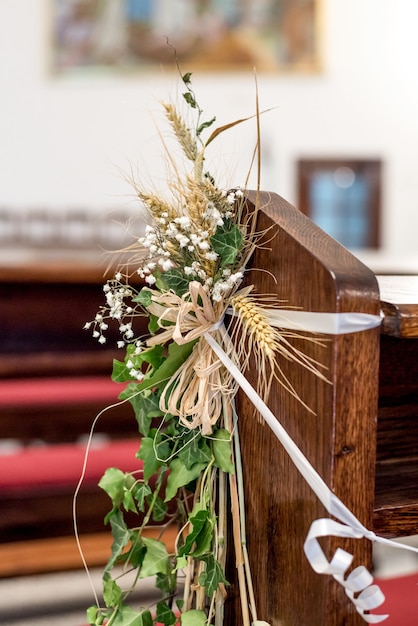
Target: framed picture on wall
x,y
212,35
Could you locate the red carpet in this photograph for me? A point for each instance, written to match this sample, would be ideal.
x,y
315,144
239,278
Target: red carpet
x,y
401,600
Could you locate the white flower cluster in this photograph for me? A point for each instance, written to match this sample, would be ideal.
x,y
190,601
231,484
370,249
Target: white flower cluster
x,y
222,287
133,370
116,293
180,237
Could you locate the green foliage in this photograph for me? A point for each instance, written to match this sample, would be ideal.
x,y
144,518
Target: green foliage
x,y
94,617
181,467
156,559
115,482
213,576
227,244
196,450
193,618
144,297
165,615
177,281
153,357
121,537
180,476
199,540
150,453
221,446
112,593
126,616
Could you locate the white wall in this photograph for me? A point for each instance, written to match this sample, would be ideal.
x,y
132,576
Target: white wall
x,y
63,141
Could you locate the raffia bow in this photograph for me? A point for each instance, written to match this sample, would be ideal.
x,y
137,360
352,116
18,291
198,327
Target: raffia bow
x,y
194,392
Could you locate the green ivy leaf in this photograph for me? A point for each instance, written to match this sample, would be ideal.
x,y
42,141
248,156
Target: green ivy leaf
x,y
213,576
120,373
135,555
177,281
145,405
196,451
113,483
154,356
177,354
227,244
152,453
126,616
221,447
129,502
140,491
164,615
112,593
121,537
166,583
199,540
159,510
144,297
94,617
187,78
194,617
156,559
180,475
153,326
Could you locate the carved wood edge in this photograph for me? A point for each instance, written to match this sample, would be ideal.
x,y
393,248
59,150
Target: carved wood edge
x,y
353,280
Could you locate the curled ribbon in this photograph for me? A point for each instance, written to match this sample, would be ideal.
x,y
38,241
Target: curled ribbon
x,y
358,585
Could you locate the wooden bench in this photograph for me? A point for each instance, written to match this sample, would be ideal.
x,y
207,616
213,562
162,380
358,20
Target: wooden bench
x,y
361,436
54,379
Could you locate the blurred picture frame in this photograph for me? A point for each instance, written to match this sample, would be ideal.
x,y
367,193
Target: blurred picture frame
x,y
210,35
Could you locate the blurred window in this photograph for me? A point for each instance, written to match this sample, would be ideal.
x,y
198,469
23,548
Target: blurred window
x,y
343,198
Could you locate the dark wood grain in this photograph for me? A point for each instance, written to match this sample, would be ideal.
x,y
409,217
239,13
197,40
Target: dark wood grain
x,y
396,499
307,269
399,303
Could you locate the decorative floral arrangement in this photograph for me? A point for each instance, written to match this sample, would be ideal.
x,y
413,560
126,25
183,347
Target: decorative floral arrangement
x,y
192,260
181,379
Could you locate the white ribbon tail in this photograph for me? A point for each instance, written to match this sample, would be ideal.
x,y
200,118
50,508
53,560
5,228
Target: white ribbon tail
x,y
318,322
360,579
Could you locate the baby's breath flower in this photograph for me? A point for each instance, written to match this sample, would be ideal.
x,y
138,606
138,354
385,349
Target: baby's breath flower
x,y
136,374
183,221
183,240
150,279
166,264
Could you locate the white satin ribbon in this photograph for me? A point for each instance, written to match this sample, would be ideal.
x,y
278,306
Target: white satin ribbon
x,y
358,585
327,323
